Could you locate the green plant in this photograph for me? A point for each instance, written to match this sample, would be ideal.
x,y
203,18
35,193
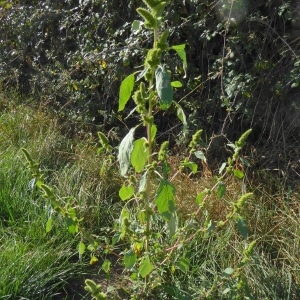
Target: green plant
x,y
148,222
148,210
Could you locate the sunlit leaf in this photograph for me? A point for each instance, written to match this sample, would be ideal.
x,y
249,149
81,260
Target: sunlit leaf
x,y
239,174
136,26
164,199
163,87
81,248
180,49
126,192
49,225
199,154
130,259
72,226
139,154
222,167
106,266
182,117
142,183
125,150
93,260
153,131
124,219
145,267
176,84
192,166
125,91
201,195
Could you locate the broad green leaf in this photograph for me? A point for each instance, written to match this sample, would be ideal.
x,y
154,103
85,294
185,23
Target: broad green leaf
x,y
136,26
126,89
239,174
93,260
49,224
176,84
145,267
126,192
163,87
81,248
221,190
183,264
72,226
130,259
242,227
106,266
180,49
164,199
139,155
39,183
125,149
192,166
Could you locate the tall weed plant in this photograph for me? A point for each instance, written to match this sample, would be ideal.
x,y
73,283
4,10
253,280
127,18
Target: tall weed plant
x,y
158,245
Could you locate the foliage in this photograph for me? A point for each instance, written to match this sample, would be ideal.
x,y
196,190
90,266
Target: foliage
x,y
232,65
63,55
148,256
270,217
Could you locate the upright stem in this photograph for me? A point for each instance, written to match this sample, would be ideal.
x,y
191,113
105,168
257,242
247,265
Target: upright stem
x,y
150,149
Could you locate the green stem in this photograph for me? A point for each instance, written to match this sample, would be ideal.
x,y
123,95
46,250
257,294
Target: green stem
x,y
150,143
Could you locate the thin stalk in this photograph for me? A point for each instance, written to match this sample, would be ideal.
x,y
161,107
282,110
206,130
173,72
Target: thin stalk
x,y
150,149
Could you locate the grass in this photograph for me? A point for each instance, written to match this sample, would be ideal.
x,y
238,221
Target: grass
x,y
40,265
36,264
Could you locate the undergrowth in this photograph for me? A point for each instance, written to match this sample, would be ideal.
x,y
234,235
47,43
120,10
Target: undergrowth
x,y
135,221
30,255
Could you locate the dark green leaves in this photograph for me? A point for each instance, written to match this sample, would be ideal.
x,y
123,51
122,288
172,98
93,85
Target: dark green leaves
x,y
221,190
183,264
242,227
145,267
165,199
130,259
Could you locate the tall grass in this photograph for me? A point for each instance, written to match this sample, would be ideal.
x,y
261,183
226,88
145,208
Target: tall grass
x,y
39,265
35,264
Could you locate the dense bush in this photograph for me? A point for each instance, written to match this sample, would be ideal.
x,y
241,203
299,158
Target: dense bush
x,y
243,61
